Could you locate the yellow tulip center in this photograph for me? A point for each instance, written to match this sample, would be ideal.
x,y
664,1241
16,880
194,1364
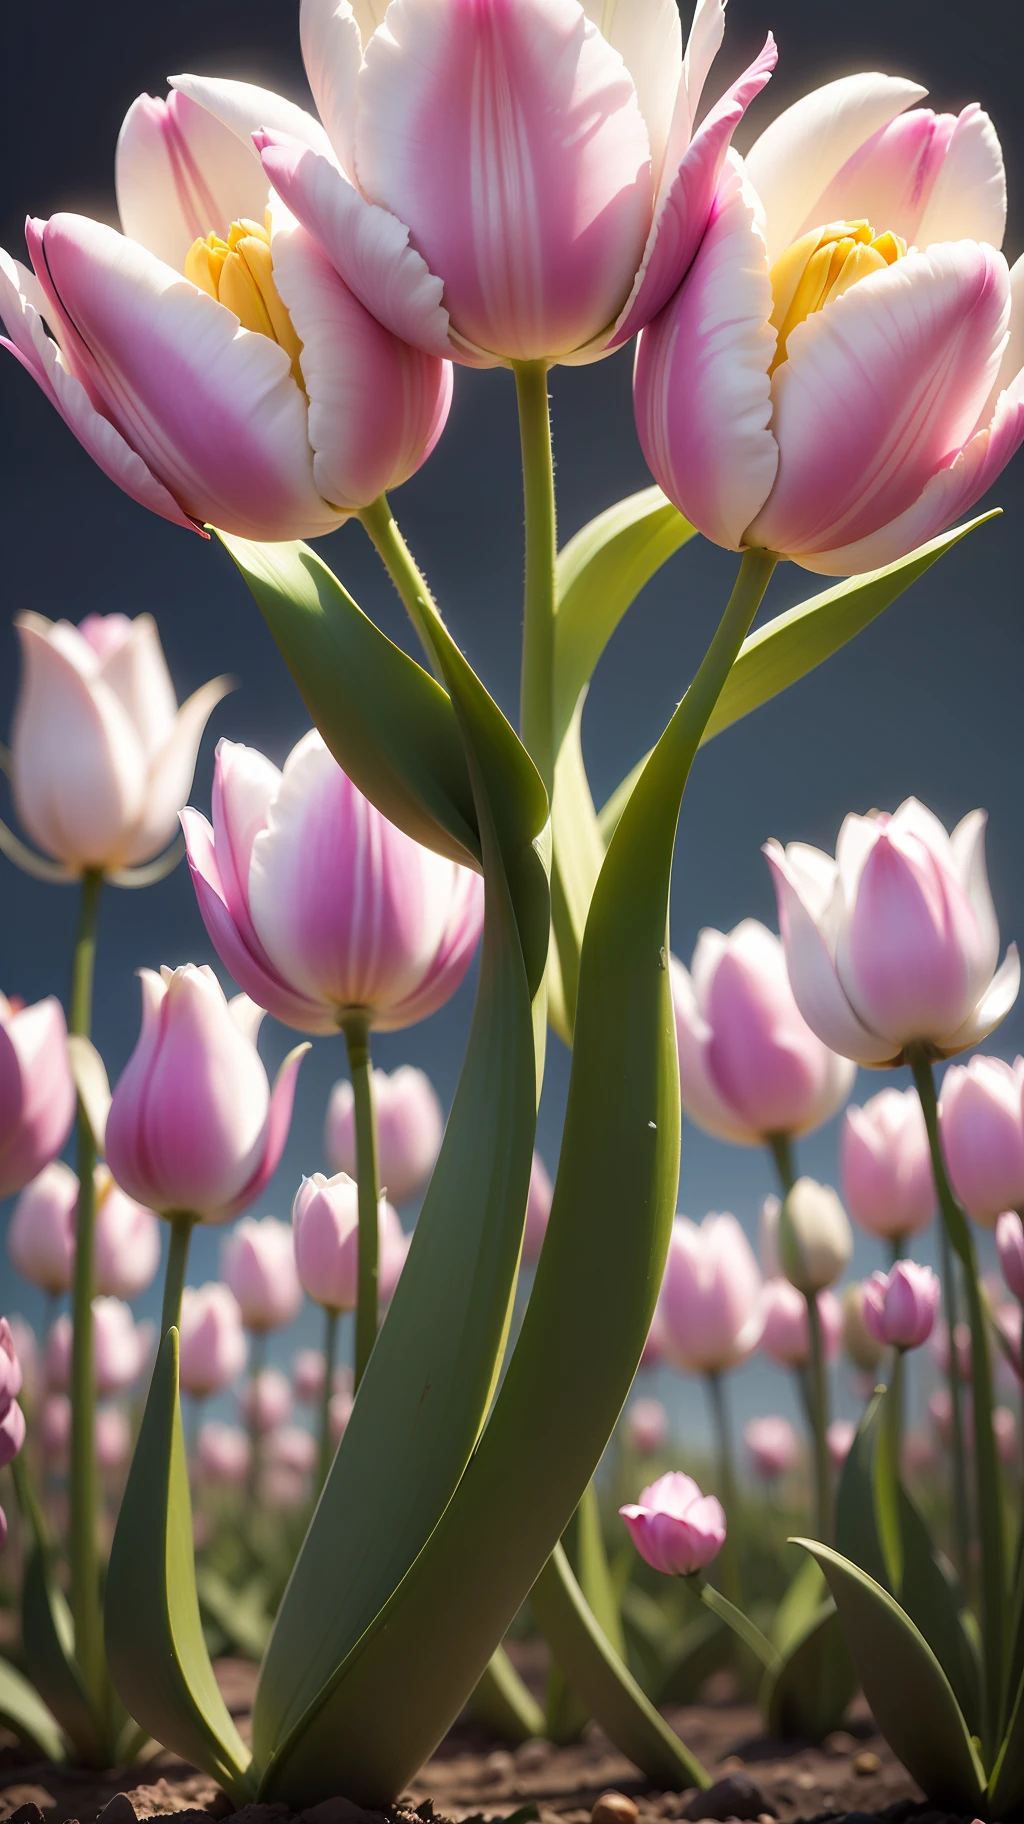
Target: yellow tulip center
x,y
822,265
239,272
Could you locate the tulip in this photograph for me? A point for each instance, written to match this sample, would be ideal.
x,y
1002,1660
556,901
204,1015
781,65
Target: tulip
x,y
393,1252
210,359
267,1401
102,757
1010,1246
886,1166
785,1335
674,1527
900,1306
193,1126
646,1427
119,1348
317,904
292,1448
410,1124
839,1439
858,1341
773,1446
41,1234
55,1428
981,1117
309,1375
815,1239
749,1065
1004,1427
113,1438
257,1261
212,1350
11,1376
12,1419
339,1412
325,1225
895,942
127,1241
538,1209
500,182
223,1452
833,380
709,1307
37,1095
21,1340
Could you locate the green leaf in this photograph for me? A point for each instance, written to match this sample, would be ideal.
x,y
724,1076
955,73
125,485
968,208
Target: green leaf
x,y
1006,1785
386,720
23,1712
503,1703
910,1696
154,1637
857,1534
930,1595
799,1607
705,1646
241,1615
48,1637
811,1691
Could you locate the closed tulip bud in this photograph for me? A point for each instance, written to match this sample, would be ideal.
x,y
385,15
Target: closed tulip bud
x,y
325,1226
709,1307
785,1336
41,1234
674,1527
317,905
12,1433
11,1377
900,1306
223,1452
839,1440
119,1349
23,1340
894,943
749,1065
113,1438
37,1095
773,1445
213,1349
815,1238
267,1401
55,1428
257,1261
339,1412
861,1346
538,1209
292,1448
981,1117
102,757
410,1124
127,1241
1010,1243
646,1427
393,1252
885,1165
193,1125
309,1375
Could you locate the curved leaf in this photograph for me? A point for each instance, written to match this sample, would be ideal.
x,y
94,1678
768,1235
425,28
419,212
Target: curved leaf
x,y
48,1636
154,1636
814,1686
857,1534
503,1704
705,1646
799,1607
1006,1786
910,1696
22,1710
930,1595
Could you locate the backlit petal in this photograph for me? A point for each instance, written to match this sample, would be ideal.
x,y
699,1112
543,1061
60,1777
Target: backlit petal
x,y
171,772
332,54
649,39
812,975
968,198
180,174
244,109
991,1010
890,178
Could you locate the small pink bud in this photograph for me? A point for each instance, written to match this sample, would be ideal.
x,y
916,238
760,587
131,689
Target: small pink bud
x,y
1010,1243
223,1452
119,1349
213,1347
773,1445
113,1438
41,1235
12,1433
127,1241
309,1372
646,1427
257,1261
410,1124
886,1165
55,1427
37,1096
982,1123
786,1337
339,1413
709,1307
10,1367
267,1401
538,1209
900,1306
325,1226
293,1448
674,1527
839,1439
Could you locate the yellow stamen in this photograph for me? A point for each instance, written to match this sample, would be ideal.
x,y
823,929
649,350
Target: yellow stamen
x,y
822,265
239,272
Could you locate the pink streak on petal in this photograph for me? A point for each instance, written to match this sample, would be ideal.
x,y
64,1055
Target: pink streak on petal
x,y
816,987
180,174
451,960
890,178
903,962
279,1119
968,201
701,1098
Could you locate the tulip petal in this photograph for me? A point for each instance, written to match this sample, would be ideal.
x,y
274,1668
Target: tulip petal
x,y
332,53
367,246
796,158
245,784
1012,361
279,1119
700,1098
968,198
991,1010
211,407
701,389
914,984
648,37
968,846
136,671
508,136
172,770
376,405
451,959
369,15
179,173
890,177
686,200
812,974
901,365
244,109
41,357
38,1087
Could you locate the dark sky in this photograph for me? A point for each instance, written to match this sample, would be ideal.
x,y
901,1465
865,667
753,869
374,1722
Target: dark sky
x,y
927,701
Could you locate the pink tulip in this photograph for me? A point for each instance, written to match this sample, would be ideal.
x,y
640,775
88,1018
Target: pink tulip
x,y
981,1114
317,904
37,1096
339,1413
213,1349
646,1427
55,1428
785,1336
223,1452
292,1448
538,1209
773,1446
709,1308
119,1348
309,1375
257,1261
503,181
410,1124
393,1252
210,359
267,1401
325,1226
102,756
749,1065
1004,1426
113,1438
674,1527
839,1439
11,1377
859,1342
12,1433
900,1306
886,1165
896,940
193,1125
833,380
127,1241
1010,1245
41,1234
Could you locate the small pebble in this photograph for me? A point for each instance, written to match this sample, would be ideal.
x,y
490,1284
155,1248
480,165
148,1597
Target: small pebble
x,y
839,1743
497,1767
737,1796
532,1754
867,1762
614,1808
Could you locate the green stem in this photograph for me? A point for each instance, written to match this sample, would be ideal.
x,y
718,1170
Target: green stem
x,y
182,1225
735,1619
330,1351
986,1460
814,1383
83,1486
381,528
729,1556
781,1148
897,1248
257,1357
356,1028
958,1451
537,716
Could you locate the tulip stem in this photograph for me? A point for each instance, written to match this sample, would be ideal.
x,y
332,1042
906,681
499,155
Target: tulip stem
x,y
83,1487
174,1280
815,1383
735,1619
958,1451
330,1351
986,1461
357,1037
729,1556
537,714
257,1357
781,1148
381,528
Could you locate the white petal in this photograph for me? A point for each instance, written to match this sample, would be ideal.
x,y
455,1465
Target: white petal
x,y
993,1007
815,875
244,108
137,673
180,174
648,37
703,43
968,199
171,772
812,976
968,846
332,53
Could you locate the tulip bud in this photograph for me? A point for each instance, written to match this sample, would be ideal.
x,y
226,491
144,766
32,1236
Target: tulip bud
x,y
785,1336
393,1252
223,1452
325,1226
815,1239
113,1438
257,1261
773,1445
1010,1243
127,1241
981,1116
212,1349
900,1306
37,1095
10,1367
538,1210
267,1401
41,1235
309,1374
886,1165
12,1433
55,1428
292,1448
859,1342
410,1124
674,1527
709,1307
119,1349
339,1413
839,1440
646,1427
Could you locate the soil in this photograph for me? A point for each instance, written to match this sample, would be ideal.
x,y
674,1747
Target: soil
x,y
853,1775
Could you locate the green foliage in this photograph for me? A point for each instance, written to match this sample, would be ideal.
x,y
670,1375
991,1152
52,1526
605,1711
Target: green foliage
x,y
23,1711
